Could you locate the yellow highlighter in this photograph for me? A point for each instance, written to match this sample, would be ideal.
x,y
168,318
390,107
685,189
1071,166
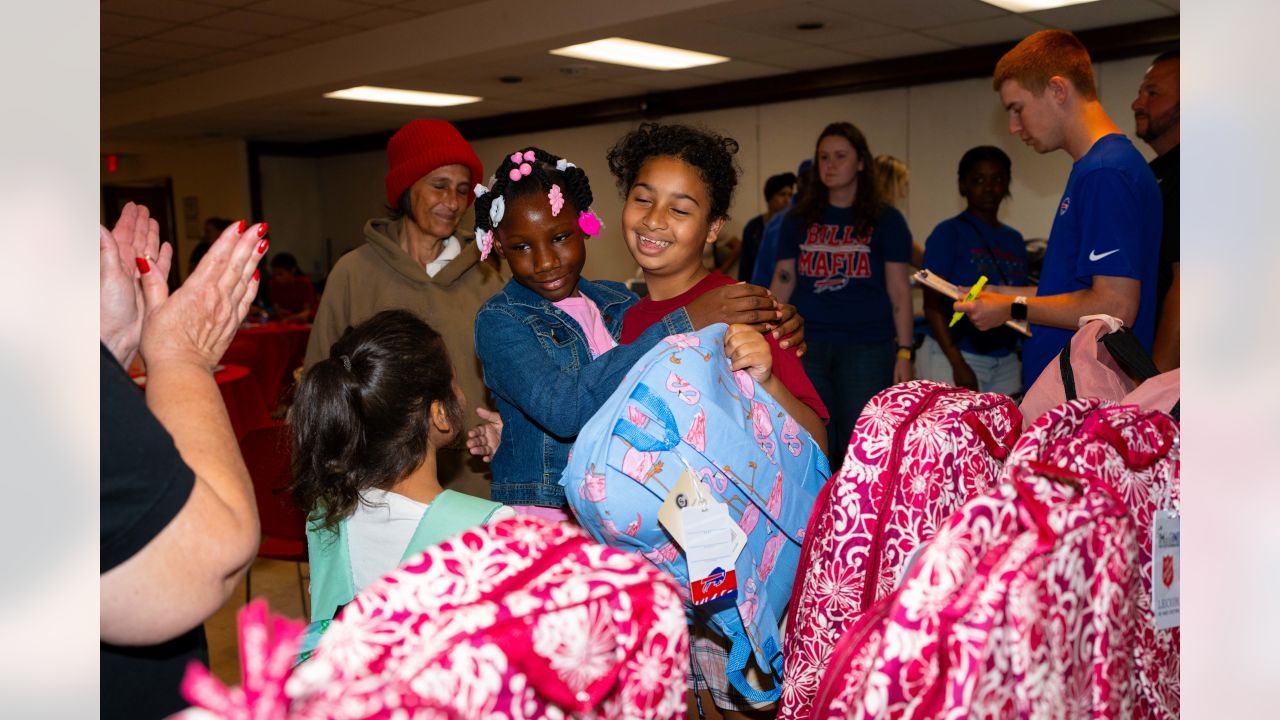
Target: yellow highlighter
x,y
973,293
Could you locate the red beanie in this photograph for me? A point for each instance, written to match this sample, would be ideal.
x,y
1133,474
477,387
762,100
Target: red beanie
x,y
422,146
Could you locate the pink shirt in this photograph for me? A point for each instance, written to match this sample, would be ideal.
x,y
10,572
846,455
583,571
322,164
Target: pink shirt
x,y
583,310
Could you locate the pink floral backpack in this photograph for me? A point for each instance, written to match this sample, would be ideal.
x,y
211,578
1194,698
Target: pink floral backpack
x,y
1138,453
1020,606
518,619
919,451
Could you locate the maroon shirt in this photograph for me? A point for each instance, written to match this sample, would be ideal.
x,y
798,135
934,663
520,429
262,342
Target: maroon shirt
x,y
786,364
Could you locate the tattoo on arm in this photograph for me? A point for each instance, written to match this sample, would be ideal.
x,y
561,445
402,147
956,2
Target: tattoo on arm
x,y
784,276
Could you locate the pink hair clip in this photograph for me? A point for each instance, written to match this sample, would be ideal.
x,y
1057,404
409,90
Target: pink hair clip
x,y
523,160
556,198
485,241
589,223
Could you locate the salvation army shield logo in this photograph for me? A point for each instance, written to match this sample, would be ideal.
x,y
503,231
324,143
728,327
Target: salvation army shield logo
x,y
1166,570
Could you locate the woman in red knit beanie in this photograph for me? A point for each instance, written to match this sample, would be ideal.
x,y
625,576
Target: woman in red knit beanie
x,y
413,259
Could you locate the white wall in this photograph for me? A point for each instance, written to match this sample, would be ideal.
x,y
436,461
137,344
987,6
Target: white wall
x,y
292,208
929,126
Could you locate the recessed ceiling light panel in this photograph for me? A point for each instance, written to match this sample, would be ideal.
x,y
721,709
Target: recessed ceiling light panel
x,y
1022,6
621,51
396,96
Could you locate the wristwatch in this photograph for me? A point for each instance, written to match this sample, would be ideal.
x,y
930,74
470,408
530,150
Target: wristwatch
x,y
1018,310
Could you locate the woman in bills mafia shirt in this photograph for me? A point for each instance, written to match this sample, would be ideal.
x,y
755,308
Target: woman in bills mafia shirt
x,y
843,261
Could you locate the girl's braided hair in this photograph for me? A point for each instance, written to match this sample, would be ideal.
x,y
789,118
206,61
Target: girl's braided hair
x,y
526,172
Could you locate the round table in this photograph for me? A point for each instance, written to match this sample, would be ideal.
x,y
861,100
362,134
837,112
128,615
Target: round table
x,y
271,352
241,396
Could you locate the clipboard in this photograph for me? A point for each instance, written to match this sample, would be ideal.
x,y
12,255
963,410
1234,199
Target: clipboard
x,y
936,282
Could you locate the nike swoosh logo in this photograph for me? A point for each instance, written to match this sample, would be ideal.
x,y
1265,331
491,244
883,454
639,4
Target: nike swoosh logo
x,y
1094,256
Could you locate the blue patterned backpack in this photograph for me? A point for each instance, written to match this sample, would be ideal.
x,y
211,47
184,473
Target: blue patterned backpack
x,y
681,409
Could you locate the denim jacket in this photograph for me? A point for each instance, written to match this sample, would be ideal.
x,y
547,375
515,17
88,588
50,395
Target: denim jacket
x,y
538,365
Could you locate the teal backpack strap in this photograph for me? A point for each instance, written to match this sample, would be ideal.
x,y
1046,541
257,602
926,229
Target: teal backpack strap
x,y
449,514
332,584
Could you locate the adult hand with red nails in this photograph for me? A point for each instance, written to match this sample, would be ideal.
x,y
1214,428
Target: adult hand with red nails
x,y
123,252
197,323
187,571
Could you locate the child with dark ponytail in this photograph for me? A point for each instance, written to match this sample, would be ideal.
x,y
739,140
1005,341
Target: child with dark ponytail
x,y
549,340
366,425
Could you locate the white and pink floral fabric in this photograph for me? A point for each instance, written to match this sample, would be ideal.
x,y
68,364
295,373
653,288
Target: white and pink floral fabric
x,y
919,451
518,619
1137,453
1021,606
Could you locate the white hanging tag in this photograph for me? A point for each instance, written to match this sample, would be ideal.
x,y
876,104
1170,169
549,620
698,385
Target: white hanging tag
x,y
1166,570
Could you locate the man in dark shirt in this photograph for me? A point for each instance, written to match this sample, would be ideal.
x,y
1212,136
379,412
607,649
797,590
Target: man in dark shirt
x,y
1156,120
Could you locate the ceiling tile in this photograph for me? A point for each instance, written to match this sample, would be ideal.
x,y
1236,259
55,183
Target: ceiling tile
x,y
891,46
324,31
117,72
133,63
181,11
782,21
380,17
229,3
1100,14
811,58
1009,28
311,9
131,26
914,14
207,37
279,44
109,41
256,22
161,49
114,86
427,7
704,37
540,68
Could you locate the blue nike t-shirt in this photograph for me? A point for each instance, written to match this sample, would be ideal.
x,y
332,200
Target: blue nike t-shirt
x,y
840,279
1108,224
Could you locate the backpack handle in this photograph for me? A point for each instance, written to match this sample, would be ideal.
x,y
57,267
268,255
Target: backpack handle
x,y
641,440
739,653
1136,458
1125,349
998,448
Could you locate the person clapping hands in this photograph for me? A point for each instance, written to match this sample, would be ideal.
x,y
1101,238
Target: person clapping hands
x,y
178,520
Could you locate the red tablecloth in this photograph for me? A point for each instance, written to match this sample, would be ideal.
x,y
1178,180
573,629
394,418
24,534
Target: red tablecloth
x,y
240,394
271,352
